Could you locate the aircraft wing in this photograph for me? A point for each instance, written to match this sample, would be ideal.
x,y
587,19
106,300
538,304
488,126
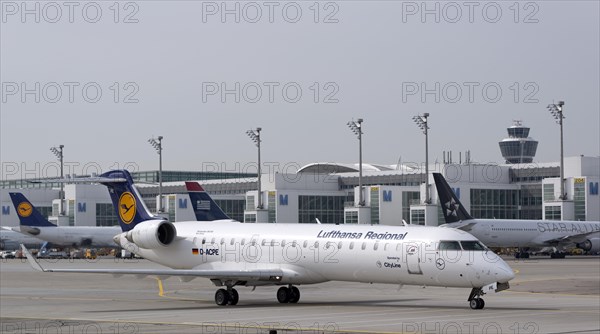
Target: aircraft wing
x,y
573,238
273,275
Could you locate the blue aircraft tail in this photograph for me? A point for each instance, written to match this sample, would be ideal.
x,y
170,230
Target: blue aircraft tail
x,y
28,214
128,203
204,206
452,208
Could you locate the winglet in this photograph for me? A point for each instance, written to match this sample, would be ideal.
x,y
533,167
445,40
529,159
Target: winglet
x,y
31,260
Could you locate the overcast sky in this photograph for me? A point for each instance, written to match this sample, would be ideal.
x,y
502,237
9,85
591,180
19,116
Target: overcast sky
x,y
171,68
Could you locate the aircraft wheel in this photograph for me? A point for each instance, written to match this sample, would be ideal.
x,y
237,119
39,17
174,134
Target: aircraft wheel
x,y
283,295
481,303
473,304
221,297
295,295
234,297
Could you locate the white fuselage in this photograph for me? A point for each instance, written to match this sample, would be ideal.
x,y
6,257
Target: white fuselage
x,y
10,240
317,253
527,233
85,236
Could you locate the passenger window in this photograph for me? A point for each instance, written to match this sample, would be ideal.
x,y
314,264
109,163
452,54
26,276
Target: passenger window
x,y
352,245
375,246
340,245
264,242
222,241
282,243
212,242
203,241
385,248
316,244
243,241
449,245
272,242
232,241
364,246
398,247
305,244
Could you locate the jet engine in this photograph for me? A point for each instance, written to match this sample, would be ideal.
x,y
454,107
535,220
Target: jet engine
x,y
590,245
152,234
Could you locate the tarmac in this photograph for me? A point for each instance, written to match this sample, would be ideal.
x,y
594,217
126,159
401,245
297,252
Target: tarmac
x,y
547,296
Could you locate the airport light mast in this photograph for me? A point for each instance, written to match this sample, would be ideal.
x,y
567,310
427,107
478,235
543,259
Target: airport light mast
x,y
556,109
157,144
255,136
58,152
422,123
356,127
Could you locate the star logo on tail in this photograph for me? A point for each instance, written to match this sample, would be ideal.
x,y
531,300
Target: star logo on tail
x,y
451,208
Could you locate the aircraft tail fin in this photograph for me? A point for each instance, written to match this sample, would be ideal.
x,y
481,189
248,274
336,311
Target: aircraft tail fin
x,y
27,213
127,201
452,209
204,206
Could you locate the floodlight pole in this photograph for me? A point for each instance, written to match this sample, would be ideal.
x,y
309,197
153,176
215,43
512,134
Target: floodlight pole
x,y
556,109
158,146
255,136
422,123
356,127
59,154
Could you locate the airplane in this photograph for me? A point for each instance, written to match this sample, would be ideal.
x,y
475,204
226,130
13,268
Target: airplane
x,y
10,240
520,233
234,254
32,223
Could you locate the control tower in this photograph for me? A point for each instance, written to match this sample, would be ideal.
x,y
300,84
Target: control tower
x,y
518,147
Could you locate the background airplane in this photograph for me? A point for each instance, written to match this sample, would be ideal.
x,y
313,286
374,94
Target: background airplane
x,y
33,224
235,254
520,233
10,240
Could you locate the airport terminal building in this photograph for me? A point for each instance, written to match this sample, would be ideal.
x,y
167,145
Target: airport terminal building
x,y
330,193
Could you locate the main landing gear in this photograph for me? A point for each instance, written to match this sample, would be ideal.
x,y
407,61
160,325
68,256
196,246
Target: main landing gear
x,y
289,294
230,296
475,300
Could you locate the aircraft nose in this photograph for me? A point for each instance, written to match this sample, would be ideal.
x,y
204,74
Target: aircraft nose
x,y
505,272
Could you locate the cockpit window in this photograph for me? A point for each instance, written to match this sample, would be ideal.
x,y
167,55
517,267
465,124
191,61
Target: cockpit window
x,y
449,245
473,245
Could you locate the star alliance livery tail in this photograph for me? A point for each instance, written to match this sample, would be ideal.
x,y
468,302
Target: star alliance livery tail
x,y
452,209
204,206
28,214
130,208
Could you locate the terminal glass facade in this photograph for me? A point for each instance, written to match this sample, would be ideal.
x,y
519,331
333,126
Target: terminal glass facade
x,y
548,192
234,208
329,209
579,200
531,202
552,212
105,215
375,205
409,198
495,203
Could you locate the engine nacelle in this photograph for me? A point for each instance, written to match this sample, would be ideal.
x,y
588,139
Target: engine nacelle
x,y
590,245
152,234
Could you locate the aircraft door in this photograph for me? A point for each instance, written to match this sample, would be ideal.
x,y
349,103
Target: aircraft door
x,y
413,259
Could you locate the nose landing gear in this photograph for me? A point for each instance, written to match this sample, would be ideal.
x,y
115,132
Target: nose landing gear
x,y
475,300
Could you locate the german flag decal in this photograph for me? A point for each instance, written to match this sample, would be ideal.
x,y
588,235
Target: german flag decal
x,y
195,251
